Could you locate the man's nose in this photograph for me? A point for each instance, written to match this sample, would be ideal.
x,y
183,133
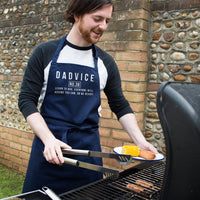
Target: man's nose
x,y
103,26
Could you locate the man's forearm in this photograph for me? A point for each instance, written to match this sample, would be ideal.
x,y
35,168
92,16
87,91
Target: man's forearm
x,y
130,124
40,127
52,146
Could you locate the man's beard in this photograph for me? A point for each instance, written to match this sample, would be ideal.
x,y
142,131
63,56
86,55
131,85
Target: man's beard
x,y
86,34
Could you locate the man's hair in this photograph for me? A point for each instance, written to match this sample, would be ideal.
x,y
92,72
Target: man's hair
x,y
81,7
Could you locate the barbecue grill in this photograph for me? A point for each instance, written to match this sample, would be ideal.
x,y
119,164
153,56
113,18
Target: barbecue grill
x,y
146,179
176,178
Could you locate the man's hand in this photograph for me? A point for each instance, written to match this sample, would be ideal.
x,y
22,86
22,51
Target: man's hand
x,y
130,124
52,146
53,152
148,146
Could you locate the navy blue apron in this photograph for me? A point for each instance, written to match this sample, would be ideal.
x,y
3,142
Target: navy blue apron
x,y
70,109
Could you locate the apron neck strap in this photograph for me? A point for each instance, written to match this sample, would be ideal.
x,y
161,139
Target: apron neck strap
x,y
95,56
55,58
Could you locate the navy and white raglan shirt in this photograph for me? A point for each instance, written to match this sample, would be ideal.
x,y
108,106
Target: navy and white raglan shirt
x,y
35,79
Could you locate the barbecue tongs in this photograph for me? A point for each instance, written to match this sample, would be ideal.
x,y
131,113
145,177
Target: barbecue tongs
x,y
107,172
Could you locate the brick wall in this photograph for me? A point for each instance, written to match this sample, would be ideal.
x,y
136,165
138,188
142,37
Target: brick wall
x,y
174,4
15,148
127,41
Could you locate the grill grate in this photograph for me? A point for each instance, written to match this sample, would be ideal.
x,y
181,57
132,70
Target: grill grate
x,y
148,183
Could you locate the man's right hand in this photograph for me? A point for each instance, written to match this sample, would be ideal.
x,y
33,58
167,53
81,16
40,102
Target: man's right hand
x,y
53,152
52,146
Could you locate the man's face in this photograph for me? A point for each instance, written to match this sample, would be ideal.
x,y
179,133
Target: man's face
x,y
92,25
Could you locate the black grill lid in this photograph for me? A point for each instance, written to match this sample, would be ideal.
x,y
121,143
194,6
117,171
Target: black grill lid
x,y
178,107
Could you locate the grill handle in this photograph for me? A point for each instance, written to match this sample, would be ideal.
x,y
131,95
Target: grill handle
x,y
50,193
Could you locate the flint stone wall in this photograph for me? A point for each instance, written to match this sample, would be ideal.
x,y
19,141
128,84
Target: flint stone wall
x,y
174,56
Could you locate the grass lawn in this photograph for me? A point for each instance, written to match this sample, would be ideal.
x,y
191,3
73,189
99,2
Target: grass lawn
x,y
11,182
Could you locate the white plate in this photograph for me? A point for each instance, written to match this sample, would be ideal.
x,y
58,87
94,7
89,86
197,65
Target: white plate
x,y
159,156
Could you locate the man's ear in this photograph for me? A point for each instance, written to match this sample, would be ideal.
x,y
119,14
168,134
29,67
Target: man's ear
x,y
76,18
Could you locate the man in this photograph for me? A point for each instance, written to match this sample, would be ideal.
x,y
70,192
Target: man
x,y
66,77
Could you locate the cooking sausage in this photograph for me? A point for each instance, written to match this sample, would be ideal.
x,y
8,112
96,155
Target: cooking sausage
x,y
135,188
146,154
143,183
